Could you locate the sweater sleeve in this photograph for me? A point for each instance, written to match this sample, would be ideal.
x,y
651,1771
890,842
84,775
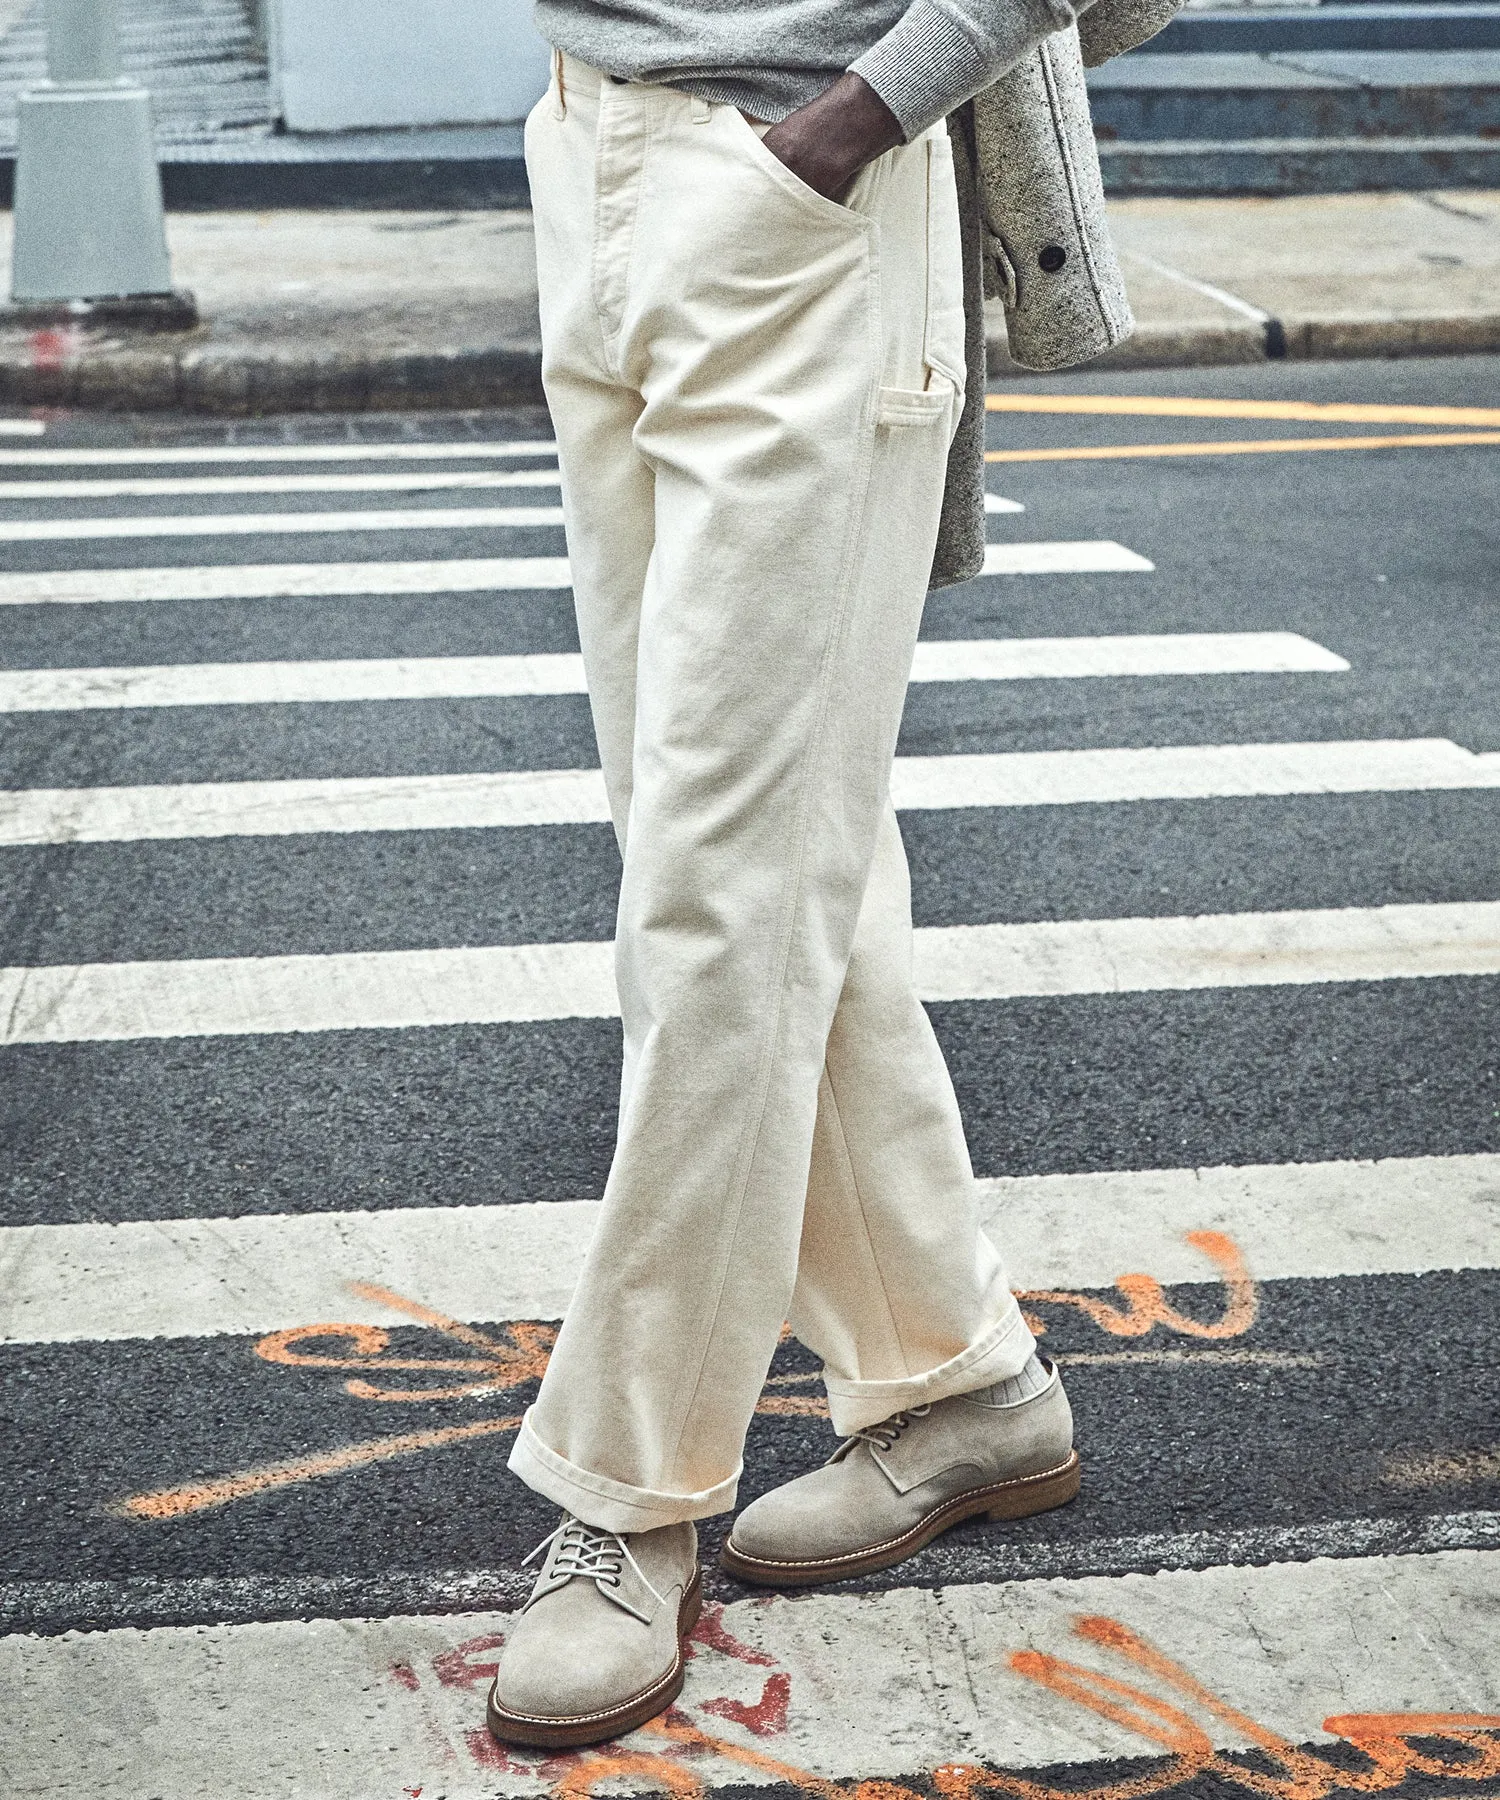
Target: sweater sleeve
x,y
940,53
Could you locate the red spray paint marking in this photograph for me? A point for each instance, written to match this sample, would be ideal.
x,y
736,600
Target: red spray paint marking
x,y
710,1633
406,1675
454,1669
766,1717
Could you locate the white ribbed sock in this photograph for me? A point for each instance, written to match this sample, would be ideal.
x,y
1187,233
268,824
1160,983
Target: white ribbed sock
x,y
1032,1379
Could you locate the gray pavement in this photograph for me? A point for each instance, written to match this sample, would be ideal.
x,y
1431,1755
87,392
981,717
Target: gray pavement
x,y
347,310
258,1538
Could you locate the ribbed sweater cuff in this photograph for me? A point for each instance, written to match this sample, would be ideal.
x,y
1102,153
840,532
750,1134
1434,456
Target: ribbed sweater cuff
x,y
927,63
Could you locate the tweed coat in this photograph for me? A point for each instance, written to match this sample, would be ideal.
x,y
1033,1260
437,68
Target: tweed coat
x,y
1031,205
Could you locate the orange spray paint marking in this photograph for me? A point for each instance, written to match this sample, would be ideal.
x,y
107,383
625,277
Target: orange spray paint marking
x,y
1147,1306
200,1496
502,1365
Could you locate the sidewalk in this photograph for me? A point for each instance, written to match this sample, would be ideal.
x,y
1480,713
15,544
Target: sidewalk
x,y
348,310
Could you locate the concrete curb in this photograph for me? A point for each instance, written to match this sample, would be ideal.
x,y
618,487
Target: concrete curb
x,y
1289,340
155,372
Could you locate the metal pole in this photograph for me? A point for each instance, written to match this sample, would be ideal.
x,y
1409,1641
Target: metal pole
x,y
89,226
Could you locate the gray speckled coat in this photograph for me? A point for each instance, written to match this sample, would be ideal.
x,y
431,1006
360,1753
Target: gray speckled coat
x,y
1031,203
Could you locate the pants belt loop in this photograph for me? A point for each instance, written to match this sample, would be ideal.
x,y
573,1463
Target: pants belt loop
x,y
559,92
700,110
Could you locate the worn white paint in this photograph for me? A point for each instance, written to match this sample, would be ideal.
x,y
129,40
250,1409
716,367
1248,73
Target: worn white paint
x,y
283,581
257,1273
577,796
178,487
1253,949
436,518
887,1684
1101,557
447,677
265,581
514,983
146,455
1180,653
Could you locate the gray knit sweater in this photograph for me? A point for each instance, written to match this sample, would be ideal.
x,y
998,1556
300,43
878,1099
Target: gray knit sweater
x,y
769,57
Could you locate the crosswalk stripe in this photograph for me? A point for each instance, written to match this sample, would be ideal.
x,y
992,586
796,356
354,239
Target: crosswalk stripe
x,y
186,486
997,503
22,427
283,581
257,1273
280,683
1100,557
81,457
456,575
453,677
532,797
518,983
436,518
1010,1676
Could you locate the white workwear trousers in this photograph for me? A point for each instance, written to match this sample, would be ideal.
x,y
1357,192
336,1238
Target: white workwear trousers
x,y
753,389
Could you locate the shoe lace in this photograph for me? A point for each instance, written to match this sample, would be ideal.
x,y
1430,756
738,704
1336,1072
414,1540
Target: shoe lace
x,y
884,1435
594,1555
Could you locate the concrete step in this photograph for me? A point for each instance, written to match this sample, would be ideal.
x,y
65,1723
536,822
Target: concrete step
x,y
1437,25
1305,165
1308,94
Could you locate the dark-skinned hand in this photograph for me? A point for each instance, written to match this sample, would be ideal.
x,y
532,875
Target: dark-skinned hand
x,y
827,142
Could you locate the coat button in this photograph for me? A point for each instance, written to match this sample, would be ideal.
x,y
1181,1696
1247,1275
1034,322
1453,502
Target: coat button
x,y
1052,259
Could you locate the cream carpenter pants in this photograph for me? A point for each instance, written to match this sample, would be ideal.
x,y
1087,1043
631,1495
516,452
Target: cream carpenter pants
x,y
753,390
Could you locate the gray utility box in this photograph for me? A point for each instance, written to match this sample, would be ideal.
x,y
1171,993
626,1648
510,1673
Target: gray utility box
x,y
87,194
343,65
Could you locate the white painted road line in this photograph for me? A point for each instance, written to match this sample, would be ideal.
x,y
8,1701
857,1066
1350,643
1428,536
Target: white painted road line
x,y
286,808
1097,558
21,427
283,581
1188,772
1180,653
516,983
245,1276
900,1683
997,503
281,683
452,677
274,581
184,486
1253,949
436,518
577,796
147,455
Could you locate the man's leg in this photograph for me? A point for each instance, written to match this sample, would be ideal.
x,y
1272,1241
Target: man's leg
x,y
898,1289
794,361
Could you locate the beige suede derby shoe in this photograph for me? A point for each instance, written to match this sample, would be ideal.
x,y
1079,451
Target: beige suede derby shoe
x,y
598,1648
888,1491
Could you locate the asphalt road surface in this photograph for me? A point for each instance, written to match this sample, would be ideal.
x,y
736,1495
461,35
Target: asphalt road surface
x,y
307,1082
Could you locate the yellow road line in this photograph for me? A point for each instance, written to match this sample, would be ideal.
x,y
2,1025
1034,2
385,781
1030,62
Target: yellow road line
x,y
1154,406
198,1496
1240,447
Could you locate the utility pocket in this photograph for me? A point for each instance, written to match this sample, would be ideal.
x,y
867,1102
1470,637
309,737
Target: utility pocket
x,y
943,338
916,406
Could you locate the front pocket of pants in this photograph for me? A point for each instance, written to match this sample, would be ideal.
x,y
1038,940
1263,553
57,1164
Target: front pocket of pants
x,y
792,184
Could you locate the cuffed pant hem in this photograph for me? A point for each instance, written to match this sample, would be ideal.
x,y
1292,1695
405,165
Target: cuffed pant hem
x,y
609,1505
1003,1351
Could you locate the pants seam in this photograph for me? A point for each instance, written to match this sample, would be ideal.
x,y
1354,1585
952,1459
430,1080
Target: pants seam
x,y
859,1199
750,1135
